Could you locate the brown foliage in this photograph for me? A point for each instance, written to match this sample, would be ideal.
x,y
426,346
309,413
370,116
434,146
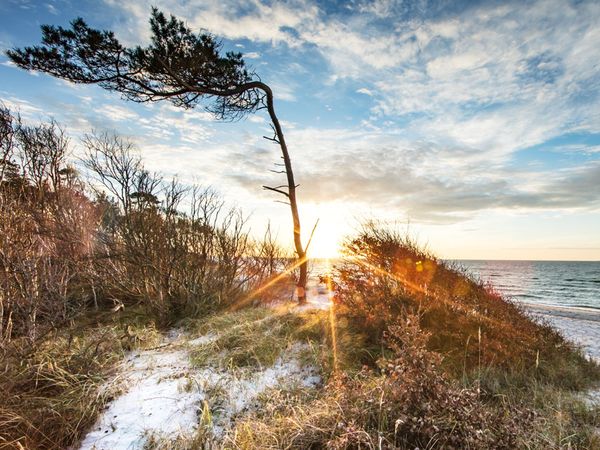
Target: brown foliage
x,y
62,253
405,402
384,276
156,254
45,232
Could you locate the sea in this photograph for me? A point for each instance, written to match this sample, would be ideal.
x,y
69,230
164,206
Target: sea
x,y
573,284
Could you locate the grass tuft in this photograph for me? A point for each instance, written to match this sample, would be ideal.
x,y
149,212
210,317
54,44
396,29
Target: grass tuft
x,y
53,391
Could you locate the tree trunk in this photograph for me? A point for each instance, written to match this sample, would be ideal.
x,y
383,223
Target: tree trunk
x,y
301,286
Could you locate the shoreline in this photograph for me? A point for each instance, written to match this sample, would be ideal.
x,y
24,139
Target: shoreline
x,y
579,325
571,312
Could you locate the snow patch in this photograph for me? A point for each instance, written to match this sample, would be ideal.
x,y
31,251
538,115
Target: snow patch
x,y
318,297
578,325
592,398
164,394
156,399
203,340
242,392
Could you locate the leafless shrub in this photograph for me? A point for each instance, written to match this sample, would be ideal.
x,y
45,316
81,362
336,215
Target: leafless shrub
x,y
142,241
173,249
44,232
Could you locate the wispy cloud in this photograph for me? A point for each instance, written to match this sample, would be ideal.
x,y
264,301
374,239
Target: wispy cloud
x,y
420,108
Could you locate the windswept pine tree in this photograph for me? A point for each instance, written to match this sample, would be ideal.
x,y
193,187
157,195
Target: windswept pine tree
x,y
179,66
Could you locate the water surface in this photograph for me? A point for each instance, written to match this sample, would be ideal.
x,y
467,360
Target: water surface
x,y
559,283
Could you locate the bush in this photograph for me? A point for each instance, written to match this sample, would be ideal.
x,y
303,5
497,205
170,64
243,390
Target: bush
x,y
174,260
404,402
63,252
385,276
46,231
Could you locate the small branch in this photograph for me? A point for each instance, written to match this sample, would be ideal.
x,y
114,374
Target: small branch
x,y
311,236
276,141
275,189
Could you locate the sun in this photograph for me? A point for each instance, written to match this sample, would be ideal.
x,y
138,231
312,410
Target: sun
x,y
325,243
329,233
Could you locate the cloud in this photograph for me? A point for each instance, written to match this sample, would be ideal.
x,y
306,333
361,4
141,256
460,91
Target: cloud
x,y
423,181
285,91
27,110
576,148
452,93
255,20
252,55
52,9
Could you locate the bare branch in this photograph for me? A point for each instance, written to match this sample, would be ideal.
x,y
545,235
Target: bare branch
x,y
311,235
275,140
274,189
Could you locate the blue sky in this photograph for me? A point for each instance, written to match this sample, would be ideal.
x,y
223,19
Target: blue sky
x,y
475,125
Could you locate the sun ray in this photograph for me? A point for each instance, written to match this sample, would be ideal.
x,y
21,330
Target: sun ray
x,y
244,301
404,281
332,318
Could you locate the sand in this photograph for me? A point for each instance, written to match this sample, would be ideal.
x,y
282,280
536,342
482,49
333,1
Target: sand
x,y
579,325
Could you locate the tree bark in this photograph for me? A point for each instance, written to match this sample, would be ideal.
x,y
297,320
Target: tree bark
x,y
300,251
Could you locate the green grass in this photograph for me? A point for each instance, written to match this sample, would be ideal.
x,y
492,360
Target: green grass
x,y
257,337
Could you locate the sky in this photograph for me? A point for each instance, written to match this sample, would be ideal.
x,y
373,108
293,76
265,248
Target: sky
x,y
473,126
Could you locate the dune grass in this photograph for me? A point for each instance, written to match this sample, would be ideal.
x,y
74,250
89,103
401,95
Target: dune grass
x,y
254,338
53,390
464,367
385,276
415,353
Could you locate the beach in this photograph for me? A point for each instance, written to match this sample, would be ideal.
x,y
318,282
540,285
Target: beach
x,y
578,325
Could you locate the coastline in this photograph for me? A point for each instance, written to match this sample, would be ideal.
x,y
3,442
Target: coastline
x,y
577,324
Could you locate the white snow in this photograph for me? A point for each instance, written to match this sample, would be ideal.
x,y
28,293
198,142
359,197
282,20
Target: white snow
x,y
242,391
578,325
163,394
154,399
592,398
203,340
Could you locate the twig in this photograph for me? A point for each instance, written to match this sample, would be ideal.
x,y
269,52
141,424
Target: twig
x,y
311,236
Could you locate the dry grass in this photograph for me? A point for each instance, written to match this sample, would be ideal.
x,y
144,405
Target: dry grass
x,y
246,341
405,403
256,338
468,370
408,402
423,357
52,391
386,276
